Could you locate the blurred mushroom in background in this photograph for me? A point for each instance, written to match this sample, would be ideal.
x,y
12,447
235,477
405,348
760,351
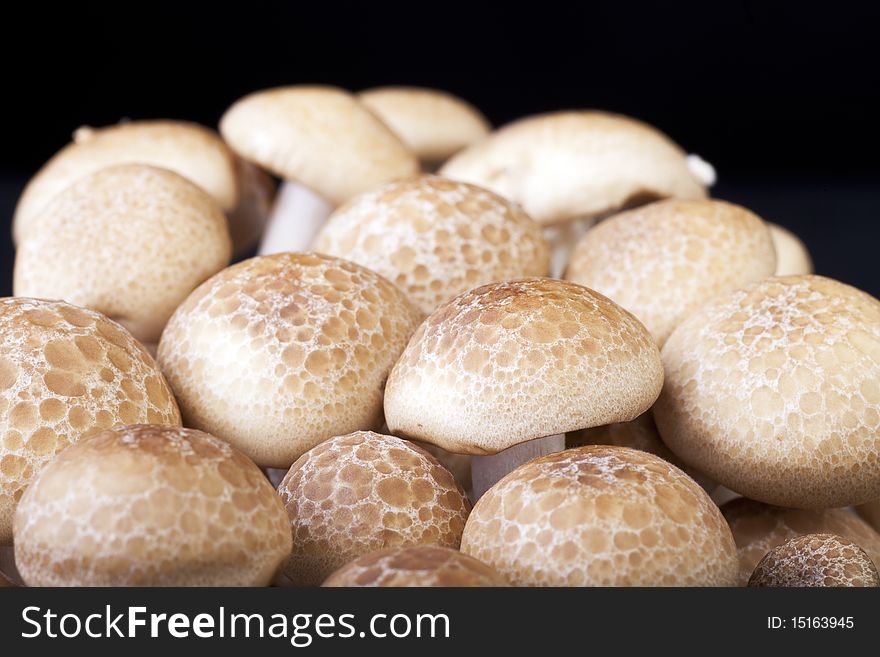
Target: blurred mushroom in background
x,y
792,256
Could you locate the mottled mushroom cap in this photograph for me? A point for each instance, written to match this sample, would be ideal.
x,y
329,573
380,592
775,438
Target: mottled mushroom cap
x,y
277,353
433,124
568,165
870,511
148,505
601,516
758,528
190,150
130,241
816,560
436,238
354,494
663,261
321,137
416,566
774,392
65,374
518,360
792,256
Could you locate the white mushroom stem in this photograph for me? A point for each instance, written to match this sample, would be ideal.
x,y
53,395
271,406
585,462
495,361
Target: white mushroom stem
x,y
562,239
486,470
297,215
7,565
701,170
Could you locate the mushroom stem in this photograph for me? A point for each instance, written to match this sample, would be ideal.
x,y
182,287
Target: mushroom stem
x,y
486,470
297,215
562,239
7,565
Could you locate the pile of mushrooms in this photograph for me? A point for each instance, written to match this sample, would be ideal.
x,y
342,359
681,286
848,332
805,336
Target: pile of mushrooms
x,y
440,355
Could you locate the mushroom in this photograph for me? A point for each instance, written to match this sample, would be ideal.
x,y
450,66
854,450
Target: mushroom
x,y
517,361
8,572
601,516
149,505
277,353
792,256
569,168
458,464
816,560
65,374
354,494
774,391
758,528
436,238
870,511
416,566
324,144
433,124
131,241
664,260
248,220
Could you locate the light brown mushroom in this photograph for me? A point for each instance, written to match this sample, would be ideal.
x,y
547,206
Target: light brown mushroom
x,y
354,494
792,256
816,560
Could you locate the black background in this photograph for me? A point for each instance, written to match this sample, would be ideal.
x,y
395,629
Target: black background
x,y
783,98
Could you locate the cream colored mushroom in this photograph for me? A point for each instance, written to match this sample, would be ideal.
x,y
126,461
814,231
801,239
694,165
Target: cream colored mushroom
x,y
323,143
516,361
65,374
601,516
148,505
131,241
568,168
774,392
277,353
436,238
354,494
792,256
663,261
816,560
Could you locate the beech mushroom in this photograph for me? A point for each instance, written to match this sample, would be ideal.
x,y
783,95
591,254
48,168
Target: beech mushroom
x,y
792,256
816,560
870,511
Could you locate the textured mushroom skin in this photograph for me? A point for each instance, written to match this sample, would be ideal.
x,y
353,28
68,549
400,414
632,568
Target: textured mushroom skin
x,y
65,374
151,506
774,391
436,238
758,528
816,560
663,261
362,492
278,353
601,516
519,360
417,566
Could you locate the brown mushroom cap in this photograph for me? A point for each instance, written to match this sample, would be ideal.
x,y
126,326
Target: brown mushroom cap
x,y
358,493
664,260
792,256
277,353
568,165
65,374
190,150
433,124
601,516
415,566
816,560
149,505
436,238
518,360
758,528
131,241
870,511
774,392
319,136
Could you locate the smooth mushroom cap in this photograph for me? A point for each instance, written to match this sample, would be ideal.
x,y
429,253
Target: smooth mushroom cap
x,y
758,528
816,560
433,124
319,136
415,566
774,392
277,353
65,374
665,260
870,511
576,164
148,505
193,151
518,360
792,256
436,238
601,516
354,494
131,241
